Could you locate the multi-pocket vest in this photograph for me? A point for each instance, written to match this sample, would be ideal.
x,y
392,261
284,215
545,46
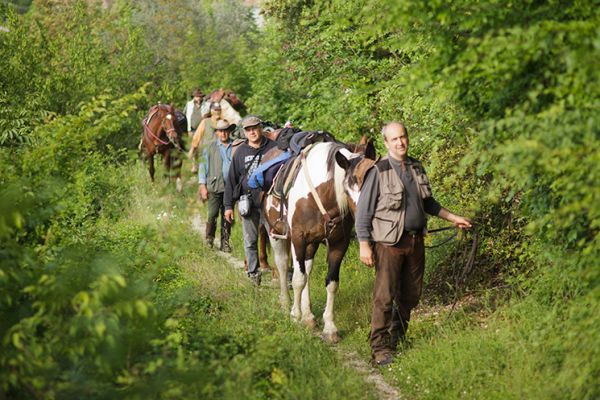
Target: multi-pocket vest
x,y
215,183
388,220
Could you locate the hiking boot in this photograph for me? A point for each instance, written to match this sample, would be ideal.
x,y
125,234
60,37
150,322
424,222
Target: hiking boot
x,y
255,278
225,246
382,359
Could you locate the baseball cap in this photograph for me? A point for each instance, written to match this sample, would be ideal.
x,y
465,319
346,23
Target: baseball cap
x,y
250,120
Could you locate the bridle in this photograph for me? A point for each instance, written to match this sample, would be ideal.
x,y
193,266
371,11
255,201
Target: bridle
x,y
168,130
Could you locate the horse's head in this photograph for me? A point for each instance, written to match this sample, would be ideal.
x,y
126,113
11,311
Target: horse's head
x,y
168,121
356,164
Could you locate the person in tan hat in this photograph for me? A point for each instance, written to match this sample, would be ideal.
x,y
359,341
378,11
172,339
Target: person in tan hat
x,y
212,177
193,111
205,133
246,159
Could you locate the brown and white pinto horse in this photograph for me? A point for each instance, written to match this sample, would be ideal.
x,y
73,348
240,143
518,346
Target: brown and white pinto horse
x,y
162,135
331,175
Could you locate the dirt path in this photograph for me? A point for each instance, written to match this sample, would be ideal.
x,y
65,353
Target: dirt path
x,y
348,358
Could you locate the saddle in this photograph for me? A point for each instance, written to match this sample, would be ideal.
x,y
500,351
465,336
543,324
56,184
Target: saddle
x,y
282,183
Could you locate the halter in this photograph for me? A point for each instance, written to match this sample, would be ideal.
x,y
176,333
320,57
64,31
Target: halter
x,y
167,130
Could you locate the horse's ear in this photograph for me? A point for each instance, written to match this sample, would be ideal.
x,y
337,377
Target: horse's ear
x,y
363,140
370,151
341,160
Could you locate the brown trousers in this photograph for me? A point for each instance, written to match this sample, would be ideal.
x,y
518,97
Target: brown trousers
x,y
398,284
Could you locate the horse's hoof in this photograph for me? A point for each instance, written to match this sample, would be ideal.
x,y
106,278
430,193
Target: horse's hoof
x,y
310,323
332,337
285,305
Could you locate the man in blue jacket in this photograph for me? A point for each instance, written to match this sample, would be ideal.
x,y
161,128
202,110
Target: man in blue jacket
x,y
245,160
212,176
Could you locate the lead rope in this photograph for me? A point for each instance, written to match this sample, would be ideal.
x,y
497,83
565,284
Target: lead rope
x,y
469,262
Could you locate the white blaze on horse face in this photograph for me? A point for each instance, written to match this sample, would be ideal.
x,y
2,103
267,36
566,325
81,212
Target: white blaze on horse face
x,y
169,117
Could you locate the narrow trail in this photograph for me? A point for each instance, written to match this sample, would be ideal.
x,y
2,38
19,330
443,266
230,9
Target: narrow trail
x,y
349,358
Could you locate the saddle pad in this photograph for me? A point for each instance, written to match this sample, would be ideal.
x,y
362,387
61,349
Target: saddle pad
x,y
287,174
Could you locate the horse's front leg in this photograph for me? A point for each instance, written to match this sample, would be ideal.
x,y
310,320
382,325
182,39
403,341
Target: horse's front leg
x,y
150,160
298,282
303,255
334,261
177,167
281,253
167,164
308,317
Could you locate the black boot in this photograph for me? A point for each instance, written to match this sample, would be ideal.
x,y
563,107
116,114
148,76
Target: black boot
x,y
210,234
225,231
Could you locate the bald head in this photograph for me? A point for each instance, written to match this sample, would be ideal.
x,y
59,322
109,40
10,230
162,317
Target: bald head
x,y
395,139
393,126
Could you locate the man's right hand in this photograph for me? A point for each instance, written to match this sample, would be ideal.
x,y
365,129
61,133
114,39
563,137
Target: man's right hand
x,y
203,192
366,254
228,216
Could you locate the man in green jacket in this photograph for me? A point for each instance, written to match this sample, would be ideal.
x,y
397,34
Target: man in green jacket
x,y
212,176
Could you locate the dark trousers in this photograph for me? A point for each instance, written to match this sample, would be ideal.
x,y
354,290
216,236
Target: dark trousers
x,y
216,208
398,285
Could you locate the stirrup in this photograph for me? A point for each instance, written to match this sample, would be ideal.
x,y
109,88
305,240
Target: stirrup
x,y
278,236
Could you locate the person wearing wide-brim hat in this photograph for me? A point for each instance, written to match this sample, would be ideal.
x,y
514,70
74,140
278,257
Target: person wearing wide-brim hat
x,y
212,177
193,111
205,132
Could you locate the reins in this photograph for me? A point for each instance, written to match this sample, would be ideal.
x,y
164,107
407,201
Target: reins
x,y
467,257
443,242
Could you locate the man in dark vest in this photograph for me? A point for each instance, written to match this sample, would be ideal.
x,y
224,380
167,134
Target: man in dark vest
x,y
390,224
212,177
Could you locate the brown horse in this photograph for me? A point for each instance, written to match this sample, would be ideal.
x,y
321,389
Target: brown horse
x,y
162,134
319,208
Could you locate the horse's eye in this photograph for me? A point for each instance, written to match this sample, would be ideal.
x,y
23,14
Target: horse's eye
x,y
169,116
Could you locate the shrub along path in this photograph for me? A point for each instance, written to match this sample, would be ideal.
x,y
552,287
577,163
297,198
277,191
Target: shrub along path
x,y
349,358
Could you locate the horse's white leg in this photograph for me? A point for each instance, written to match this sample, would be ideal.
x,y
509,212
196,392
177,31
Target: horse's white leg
x,y
330,331
179,184
282,258
308,317
298,283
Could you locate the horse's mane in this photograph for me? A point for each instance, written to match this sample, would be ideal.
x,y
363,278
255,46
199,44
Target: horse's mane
x,y
339,175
